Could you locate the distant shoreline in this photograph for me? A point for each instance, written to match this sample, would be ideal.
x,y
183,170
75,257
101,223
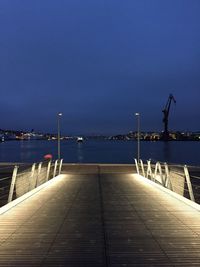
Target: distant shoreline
x,y
99,139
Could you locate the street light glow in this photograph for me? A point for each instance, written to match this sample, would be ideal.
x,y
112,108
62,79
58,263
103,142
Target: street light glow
x,y
60,114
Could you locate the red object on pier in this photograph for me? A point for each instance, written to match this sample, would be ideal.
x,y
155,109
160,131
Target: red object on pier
x,y
48,156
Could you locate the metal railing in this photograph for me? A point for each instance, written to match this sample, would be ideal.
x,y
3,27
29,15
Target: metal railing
x,y
181,179
17,180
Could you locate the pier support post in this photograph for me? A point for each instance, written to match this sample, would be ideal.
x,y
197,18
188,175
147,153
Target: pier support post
x,y
12,185
187,176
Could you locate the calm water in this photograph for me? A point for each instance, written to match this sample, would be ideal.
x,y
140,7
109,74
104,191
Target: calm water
x,y
101,151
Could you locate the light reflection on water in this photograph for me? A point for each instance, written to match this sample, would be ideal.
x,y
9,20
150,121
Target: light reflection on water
x,y
92,151
167,151
80,152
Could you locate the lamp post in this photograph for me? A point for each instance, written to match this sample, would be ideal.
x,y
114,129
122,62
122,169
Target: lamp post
x,y
138,135
58,120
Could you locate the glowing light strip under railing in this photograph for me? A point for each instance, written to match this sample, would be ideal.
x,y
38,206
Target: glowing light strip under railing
x,y
29,194
173,194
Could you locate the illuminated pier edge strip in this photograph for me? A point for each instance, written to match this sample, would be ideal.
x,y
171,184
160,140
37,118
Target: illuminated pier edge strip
x,y
17,201
166,190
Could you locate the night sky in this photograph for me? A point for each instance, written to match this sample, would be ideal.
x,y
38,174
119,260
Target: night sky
x,y
99,62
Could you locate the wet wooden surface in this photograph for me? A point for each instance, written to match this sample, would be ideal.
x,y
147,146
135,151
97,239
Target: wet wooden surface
x,y
100,218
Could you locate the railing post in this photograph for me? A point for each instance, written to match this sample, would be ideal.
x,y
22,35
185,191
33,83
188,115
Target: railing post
x,y
38,174
60,166
167,177
32,177
55,167
189,183
161,174
142,166
136,165
48,170
32,170
149,171
12,185
155,172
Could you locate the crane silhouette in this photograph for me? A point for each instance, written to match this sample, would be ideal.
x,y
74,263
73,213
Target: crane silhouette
x,y
166,116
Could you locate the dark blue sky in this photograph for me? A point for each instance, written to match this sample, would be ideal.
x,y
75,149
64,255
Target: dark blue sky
x,y
99,62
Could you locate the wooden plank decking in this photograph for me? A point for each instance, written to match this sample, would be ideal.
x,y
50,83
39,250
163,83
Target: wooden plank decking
x,y
100,218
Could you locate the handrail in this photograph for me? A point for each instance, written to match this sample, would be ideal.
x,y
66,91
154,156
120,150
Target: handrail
x,y
25,177
177,178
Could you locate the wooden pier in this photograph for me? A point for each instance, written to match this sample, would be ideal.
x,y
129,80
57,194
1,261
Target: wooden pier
x,y
100,215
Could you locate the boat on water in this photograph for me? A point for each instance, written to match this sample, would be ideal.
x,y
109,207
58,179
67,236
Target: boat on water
x,y
79,139
2,138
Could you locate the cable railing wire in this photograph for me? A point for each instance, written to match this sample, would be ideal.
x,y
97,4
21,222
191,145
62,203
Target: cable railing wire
x,y
182,179
178,173
6,168
171,164
3,197
5,178
26,177
3,187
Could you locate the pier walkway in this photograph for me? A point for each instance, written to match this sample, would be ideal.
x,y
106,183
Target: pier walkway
x,y
99,216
